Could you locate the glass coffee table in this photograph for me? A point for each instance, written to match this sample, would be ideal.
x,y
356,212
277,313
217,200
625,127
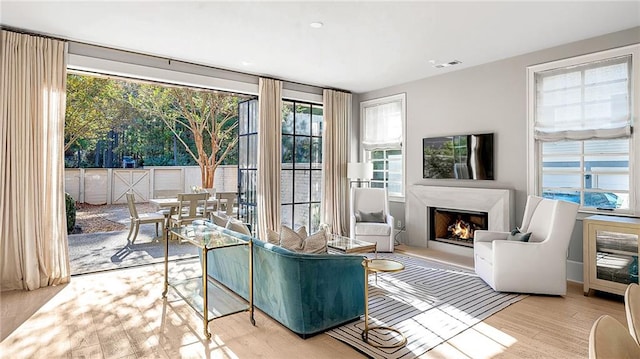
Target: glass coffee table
x,y
350,245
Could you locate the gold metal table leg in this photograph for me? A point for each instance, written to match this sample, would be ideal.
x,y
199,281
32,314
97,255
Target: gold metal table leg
x,y
205,294
367,329
365,337
251,318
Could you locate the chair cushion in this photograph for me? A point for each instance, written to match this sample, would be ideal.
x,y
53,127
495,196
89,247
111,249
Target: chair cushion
x,y
516,235
372,229
373,217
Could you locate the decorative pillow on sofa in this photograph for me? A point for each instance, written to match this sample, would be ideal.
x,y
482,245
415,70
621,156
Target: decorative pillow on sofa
x,y
238,226
315,243
292,240
220,219
374,217
516,235
298,241
273,237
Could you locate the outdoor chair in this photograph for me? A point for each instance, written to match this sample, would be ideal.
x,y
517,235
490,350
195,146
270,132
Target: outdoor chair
x,y
138,219
166,193
212,203
187,210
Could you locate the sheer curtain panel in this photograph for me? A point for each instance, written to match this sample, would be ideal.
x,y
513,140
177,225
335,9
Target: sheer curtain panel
x,y
33,233
269,155
335,199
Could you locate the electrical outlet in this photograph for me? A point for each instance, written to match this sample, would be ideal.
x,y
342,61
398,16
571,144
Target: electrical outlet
x,y
398,224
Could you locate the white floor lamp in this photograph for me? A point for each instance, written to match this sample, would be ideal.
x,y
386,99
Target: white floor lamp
x,y
360,172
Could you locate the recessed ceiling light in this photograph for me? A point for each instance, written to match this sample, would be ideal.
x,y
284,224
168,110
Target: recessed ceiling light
x,y
316,24
246,63
447,64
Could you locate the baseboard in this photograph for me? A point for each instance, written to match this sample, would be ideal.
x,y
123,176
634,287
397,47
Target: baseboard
x,y
574,271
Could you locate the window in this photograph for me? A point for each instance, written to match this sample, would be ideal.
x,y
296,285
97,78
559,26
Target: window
x,y
248,162
382,136
580,131
301,178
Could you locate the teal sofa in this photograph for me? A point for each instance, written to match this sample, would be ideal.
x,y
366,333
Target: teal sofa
x,y
307,293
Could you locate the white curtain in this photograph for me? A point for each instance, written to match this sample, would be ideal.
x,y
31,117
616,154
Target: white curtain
x,y
382,126
584,102
335,155
33,233
269,155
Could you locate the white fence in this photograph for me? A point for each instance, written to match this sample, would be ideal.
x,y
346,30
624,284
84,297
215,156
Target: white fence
x,y
109,185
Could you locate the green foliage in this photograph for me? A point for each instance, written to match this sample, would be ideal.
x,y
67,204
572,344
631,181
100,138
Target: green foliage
x,y
70,205
91,109
439,162
151,123
204,122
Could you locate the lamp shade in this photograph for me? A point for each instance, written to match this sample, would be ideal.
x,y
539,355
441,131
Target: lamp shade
x,y
360,170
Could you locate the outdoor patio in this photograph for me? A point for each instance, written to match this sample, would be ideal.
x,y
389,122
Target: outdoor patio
x,y
99,251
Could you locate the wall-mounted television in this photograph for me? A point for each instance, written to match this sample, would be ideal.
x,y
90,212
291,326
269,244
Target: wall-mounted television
x,y
458,157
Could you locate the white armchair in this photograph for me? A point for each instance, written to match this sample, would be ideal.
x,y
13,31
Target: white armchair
x,y
365,204
538,266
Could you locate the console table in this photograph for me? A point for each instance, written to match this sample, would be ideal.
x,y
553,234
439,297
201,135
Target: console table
x,y
208,298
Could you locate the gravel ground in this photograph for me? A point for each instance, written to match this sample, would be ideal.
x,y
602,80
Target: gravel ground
x,y
106,218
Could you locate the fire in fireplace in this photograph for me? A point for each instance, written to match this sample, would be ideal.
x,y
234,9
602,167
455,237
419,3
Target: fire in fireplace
x,y
456,226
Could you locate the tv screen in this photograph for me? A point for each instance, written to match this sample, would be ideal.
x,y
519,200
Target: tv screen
x,y
458,157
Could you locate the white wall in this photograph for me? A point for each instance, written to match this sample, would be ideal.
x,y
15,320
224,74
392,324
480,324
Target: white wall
x,y
486,98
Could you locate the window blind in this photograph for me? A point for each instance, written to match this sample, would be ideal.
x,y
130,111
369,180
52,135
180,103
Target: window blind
x,y
588,101
383,126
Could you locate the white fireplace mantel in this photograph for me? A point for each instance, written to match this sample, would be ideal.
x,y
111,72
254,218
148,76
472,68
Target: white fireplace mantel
x,y
497,203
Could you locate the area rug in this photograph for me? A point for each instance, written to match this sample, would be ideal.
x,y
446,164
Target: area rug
x,y
429,302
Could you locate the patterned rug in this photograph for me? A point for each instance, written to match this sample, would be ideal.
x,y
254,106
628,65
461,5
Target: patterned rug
x,y
429,302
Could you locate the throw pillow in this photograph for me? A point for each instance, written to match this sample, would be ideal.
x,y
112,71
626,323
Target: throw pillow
x,y
315,243
516,235
273,237
298,241
238,226
290,239
374,217
220,219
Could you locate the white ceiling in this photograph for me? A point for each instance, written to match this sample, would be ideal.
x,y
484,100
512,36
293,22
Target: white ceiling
x,y
363,46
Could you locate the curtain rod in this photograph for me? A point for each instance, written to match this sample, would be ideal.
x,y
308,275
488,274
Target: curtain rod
x,y
32,33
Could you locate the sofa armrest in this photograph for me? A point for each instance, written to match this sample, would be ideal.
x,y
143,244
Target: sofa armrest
x,y
489,236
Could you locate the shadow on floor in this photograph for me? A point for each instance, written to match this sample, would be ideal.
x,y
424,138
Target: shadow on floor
x,y
94,252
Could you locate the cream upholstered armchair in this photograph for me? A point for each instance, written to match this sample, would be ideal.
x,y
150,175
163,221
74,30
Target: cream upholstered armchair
x,y
370,217
537,266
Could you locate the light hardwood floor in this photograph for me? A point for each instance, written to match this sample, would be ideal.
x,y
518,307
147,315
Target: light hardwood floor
x,y
120,314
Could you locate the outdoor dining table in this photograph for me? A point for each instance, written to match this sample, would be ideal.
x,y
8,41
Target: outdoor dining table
x,y
221,197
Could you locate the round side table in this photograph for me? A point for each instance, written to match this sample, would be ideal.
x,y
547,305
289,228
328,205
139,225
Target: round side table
x,y
376,266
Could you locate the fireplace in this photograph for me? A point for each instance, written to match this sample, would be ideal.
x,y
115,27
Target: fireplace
x,y
456,226
496,203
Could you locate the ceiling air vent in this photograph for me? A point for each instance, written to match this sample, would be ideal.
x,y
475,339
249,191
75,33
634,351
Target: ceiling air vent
x,y
447,64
